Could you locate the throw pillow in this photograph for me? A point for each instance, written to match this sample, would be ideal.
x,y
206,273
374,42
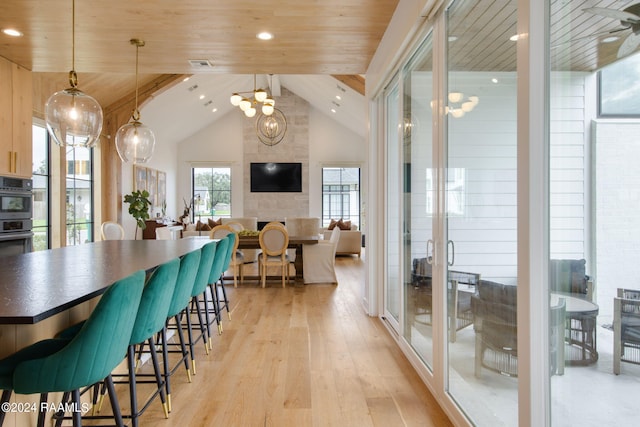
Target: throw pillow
x,y
213,223
201,226
344,225
332,224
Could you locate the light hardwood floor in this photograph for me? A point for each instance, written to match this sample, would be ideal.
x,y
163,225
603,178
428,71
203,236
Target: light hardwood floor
x,y
300,356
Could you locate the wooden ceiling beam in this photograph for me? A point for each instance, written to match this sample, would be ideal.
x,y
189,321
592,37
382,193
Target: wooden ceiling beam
x,y
354,81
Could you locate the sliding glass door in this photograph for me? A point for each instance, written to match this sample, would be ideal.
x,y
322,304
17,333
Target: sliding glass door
x,y
418,201
481,210
393,203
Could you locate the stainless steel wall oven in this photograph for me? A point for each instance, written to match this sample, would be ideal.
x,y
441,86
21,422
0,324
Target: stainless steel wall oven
x,y
16,213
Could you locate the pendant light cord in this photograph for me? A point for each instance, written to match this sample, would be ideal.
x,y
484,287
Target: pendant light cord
x,y
136,112
138,43
73,77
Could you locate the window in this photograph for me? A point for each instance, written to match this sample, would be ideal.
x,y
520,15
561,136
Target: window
x,y
211,193
79,197
341,195
618,88
41,179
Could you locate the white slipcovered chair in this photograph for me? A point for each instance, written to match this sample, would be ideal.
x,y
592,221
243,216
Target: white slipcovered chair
x,y
319,260
111,231
304,226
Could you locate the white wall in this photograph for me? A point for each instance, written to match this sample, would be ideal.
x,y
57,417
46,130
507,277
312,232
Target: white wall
x,y
163,159
617,201
221,143
332,145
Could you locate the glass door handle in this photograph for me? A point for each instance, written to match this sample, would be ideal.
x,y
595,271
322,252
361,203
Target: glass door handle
x,y
430,254
453,252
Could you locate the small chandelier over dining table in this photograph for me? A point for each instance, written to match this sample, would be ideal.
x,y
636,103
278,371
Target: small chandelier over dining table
x,y
249,106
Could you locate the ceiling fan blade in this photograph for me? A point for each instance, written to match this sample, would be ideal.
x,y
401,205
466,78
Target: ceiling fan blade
x,y
614,13
629,45
590,36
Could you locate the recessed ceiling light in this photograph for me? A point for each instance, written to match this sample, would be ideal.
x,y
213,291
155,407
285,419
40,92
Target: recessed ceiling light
x,y
494,80
201,96
514,37
333,110
186,79
264,35
338,97
610,39
12,32
214,110
453,38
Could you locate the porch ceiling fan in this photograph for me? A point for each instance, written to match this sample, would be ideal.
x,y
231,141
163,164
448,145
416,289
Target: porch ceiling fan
x,y
629,19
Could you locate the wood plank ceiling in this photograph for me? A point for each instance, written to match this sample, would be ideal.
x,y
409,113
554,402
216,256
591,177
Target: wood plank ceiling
x,y
480,32
329,37
337,37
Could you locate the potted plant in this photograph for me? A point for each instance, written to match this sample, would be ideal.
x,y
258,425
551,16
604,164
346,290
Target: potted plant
x,y
138,208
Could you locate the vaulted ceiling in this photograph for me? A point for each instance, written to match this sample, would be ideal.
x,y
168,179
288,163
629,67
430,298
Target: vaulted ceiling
x,y
311,39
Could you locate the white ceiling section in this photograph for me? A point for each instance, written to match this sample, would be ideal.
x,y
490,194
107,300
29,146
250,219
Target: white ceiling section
x,y
179,112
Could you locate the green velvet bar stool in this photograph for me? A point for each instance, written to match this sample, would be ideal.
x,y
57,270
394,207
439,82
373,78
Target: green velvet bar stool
x,y
231,248
152,314
217,269
199,287
150,320
88,358
179,303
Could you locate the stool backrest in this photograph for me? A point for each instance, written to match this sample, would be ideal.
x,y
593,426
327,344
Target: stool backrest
x,y
184,284
217,268
96,349
155,302
204,269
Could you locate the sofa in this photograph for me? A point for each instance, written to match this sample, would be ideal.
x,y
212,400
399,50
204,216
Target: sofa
x,y
350,241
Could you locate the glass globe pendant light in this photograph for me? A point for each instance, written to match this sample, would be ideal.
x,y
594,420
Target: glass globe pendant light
x,y
73,118
135,142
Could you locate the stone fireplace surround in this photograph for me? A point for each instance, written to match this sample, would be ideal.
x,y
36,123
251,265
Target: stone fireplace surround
x,y
293,148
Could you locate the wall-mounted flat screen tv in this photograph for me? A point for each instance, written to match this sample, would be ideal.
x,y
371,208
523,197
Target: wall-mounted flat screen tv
x,y
276,177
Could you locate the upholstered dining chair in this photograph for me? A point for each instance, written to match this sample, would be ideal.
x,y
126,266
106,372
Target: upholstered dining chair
x,y
274,240
237,257
235,225
319,260
301,226
163,233
111,231
59,365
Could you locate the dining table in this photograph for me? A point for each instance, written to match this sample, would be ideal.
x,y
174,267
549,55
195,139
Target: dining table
x,y
297,242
